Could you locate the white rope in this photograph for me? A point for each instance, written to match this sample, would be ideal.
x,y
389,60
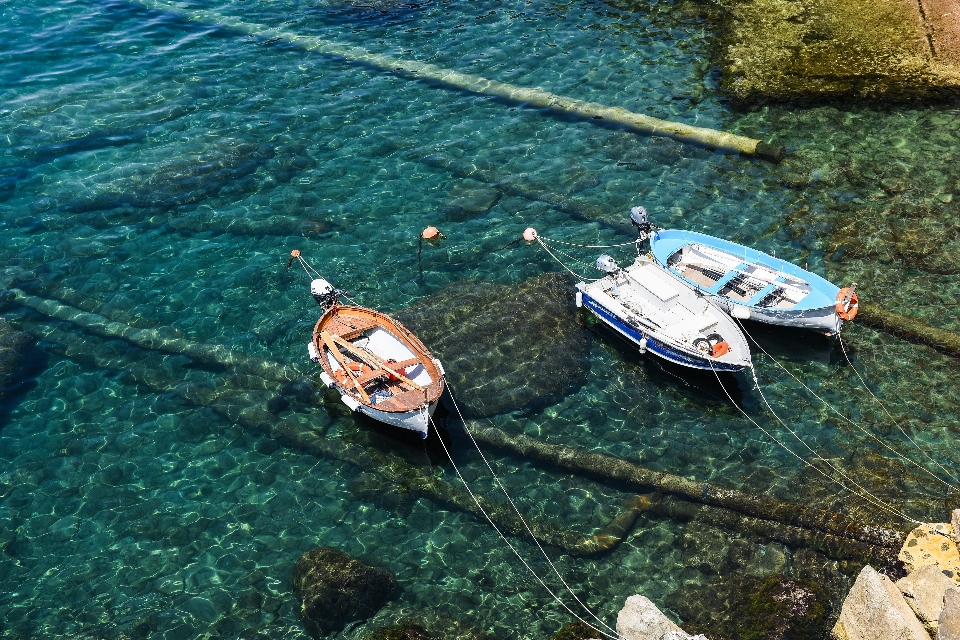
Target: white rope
x,y
788,449
892,419
519,515
476,501
560,262
589,246
864,493
850,420
306,265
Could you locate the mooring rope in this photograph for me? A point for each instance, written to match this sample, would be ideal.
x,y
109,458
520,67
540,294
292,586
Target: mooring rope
x,y
850,420
519,515
590,246
875,501
306,265
560,262
882,406
614,635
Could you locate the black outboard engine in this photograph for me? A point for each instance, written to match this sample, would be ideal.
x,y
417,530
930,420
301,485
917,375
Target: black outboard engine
x,y
639,219
324,293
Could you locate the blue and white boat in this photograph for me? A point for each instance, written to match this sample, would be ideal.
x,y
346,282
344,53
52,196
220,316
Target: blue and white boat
x,y
752,285
660,313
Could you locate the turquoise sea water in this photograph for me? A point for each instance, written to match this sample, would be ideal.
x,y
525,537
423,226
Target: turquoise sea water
x,y
157,170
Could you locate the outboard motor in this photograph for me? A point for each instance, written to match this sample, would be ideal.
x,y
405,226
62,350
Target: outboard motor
x,y
324,293
639,219
607,264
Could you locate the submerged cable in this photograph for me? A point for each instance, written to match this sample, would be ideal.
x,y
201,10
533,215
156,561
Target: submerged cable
x,y
801,458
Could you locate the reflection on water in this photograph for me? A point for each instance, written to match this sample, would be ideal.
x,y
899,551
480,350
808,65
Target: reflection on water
x,y
158,171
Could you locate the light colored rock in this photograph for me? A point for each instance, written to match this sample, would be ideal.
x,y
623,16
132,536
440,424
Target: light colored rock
x,y
949,627
640,619
955,523
932,545
875,609
923,590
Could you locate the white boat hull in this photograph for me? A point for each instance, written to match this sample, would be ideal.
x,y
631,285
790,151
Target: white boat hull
x,y
417,420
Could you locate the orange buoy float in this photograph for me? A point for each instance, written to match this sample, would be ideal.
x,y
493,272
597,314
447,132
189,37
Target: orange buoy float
x,y
719,349
847,303
432,233
295,253
530,234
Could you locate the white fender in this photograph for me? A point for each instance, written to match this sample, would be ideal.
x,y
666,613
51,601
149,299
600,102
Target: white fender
x,y
579,299
350,402
327,380
740,312
643,345
313,351
439,367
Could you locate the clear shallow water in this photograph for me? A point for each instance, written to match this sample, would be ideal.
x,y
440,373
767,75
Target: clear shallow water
x,y
158,171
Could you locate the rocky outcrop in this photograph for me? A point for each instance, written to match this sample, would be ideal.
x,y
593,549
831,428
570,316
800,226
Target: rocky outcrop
x,y
640,619
403,630
335,588
932,545
924,590
505,347
874,608
14,355
949,622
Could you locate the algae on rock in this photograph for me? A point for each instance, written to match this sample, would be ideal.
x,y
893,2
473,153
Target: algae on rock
x,y
820,50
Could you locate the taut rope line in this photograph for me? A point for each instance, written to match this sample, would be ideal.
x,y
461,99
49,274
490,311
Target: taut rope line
x,y
615,635
806,462
853,422
882,406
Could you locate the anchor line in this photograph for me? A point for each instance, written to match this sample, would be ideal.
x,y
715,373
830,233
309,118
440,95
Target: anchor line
x,y
866,495
519,515
892,419
853,422
590,246
614,635
307,267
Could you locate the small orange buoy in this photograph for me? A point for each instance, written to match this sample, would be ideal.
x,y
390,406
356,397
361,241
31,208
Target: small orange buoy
x,y
295,253
432,233
530,234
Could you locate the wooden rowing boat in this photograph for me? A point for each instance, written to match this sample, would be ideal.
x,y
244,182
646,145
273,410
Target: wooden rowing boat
x,y
377,365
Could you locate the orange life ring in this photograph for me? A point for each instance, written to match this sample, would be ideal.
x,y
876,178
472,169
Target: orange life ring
x,y
719,349
849,312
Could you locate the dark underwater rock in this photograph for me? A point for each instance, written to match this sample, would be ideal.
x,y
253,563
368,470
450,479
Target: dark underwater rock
x,y
335,588
15,359
403,630
505,347
739,607
575,630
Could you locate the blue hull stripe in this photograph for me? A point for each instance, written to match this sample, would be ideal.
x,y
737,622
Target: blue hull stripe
x,y
653,345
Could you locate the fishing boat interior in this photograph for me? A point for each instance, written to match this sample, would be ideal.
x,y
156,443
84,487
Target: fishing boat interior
x,y
724,274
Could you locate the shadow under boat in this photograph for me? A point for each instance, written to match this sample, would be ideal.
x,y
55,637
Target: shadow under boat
x,y
408,445
794,345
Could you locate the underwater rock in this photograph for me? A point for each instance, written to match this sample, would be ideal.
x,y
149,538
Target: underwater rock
x,y
403,630
574,631
505,347
15,349
335,588
739,607
818,50
469,199
874,608
640,619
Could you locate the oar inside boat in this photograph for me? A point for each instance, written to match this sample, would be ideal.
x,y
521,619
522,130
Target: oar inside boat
x,y
378,366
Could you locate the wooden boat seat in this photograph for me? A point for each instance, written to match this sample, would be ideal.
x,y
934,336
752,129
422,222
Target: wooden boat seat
x,y
348,327
404,401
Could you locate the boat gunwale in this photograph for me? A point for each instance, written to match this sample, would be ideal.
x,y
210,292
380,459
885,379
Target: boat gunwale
x,y
666,242
433,390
